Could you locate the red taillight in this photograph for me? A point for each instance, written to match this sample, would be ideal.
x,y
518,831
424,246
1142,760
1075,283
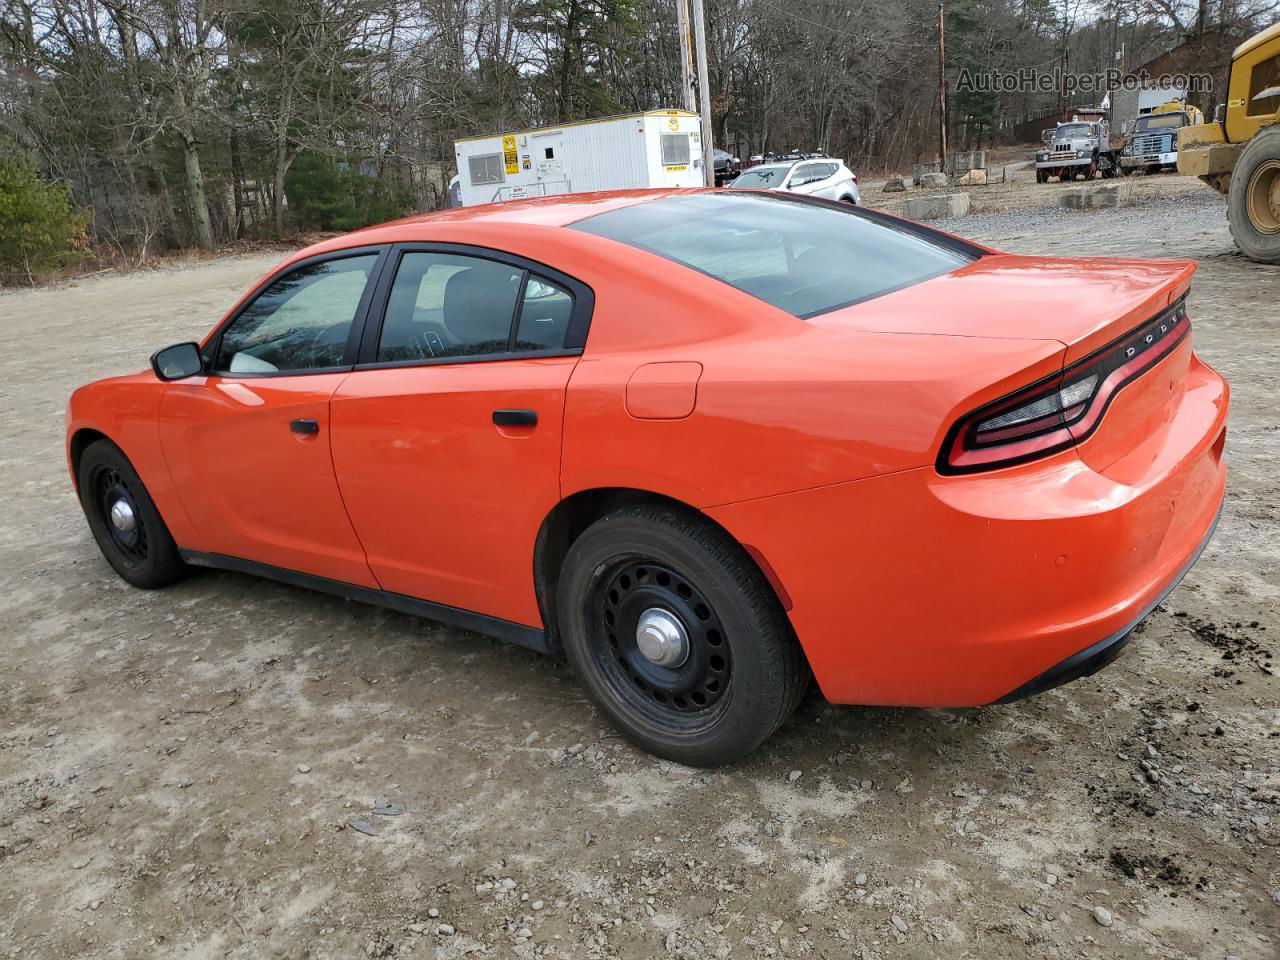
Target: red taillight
x,y
855,179
1063,409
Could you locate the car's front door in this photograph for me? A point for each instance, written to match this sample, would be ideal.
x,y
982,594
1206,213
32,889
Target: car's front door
x,y
446,439
801,178
248,444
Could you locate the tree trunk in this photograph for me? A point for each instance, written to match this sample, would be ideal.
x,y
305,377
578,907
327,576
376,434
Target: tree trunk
x,y
277,193
237,182
195,190
566,61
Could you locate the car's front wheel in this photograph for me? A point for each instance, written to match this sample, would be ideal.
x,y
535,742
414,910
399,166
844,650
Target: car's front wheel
x,y
677,636
124,519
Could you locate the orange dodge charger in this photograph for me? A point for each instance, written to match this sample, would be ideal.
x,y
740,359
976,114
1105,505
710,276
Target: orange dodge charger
x,y
704,444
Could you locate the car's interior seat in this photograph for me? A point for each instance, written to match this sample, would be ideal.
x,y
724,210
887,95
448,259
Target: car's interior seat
x,y
544,323
479,303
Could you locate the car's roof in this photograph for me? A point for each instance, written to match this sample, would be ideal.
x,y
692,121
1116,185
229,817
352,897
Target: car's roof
x,y
545,211
558,211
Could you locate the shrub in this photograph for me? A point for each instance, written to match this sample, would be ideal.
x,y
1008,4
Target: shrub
x,y
326,195
40,230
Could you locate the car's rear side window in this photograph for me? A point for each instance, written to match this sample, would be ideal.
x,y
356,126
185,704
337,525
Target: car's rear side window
x,y
449,305
804,258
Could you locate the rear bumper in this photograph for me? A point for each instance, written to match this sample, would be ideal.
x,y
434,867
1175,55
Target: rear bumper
x,y
916,589
1107,650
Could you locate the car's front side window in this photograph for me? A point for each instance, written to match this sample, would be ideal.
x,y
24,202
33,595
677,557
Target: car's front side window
x,y
447,305
299,323
801,175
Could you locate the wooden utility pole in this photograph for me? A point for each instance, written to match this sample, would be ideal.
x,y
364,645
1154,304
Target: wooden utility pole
x,y
704,91
686,57
942,92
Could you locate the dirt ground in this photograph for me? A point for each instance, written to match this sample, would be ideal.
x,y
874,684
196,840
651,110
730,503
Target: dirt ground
x,y
195,772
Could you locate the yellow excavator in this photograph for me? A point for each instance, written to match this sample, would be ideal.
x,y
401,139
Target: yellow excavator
x,y
1238,154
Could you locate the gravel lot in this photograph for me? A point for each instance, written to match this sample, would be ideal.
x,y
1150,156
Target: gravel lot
x,y
195,772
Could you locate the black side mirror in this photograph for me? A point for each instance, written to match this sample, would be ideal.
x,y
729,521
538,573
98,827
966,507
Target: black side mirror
x,y
178,362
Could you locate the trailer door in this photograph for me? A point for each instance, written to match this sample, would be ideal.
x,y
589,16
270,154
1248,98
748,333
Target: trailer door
x,y
547,151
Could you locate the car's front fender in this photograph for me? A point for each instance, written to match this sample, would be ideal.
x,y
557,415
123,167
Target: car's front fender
x,y
124,410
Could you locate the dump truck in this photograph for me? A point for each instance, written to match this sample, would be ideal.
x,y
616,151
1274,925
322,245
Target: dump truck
x,y
1152,143
1078,146
1238,153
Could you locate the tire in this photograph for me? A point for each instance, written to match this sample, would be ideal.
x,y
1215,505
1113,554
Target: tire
x,y
742,673
1041,177
137,543
1253,201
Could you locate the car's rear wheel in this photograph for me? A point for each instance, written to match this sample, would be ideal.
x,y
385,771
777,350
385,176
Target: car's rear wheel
x,y
124,519
677,636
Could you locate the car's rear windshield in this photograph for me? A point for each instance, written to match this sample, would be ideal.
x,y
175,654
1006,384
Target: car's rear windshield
x,y
802,257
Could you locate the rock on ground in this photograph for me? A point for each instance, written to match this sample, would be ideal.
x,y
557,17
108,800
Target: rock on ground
x,y
947,206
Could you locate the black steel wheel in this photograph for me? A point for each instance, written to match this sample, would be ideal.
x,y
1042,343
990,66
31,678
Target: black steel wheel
x,y
119,508
666,651
677,636
124,520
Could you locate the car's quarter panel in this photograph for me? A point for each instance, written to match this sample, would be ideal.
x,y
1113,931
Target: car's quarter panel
x,y
254,487
782,411
446,502
921,589
125,411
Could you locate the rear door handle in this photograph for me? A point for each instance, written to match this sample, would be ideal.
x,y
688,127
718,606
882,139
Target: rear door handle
x,y
304,426
515,418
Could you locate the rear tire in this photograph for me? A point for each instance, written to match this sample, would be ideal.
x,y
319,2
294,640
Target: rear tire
x,y
124,519
726,670
1253,202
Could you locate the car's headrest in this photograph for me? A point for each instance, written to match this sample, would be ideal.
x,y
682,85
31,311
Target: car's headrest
x,y
479,302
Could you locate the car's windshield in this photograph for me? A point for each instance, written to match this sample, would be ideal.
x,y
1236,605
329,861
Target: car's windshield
x,y
1074,130
802,257
1161,121
762,177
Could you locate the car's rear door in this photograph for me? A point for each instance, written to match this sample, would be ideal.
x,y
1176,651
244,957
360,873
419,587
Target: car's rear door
x,y
828,184
446,437
248,444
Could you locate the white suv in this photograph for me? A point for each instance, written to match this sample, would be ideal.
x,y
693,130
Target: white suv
x,y
817,177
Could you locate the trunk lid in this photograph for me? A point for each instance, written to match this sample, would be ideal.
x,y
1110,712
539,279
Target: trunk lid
x,y
1083,303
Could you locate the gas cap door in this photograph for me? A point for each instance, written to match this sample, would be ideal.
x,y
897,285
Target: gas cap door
x,y
663,391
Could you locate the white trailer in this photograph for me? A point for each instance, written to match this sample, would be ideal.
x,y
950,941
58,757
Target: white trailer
x,y
661,148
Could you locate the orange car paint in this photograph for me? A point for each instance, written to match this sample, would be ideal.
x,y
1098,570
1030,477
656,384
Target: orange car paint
x,y
253,487
448,505
810,441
